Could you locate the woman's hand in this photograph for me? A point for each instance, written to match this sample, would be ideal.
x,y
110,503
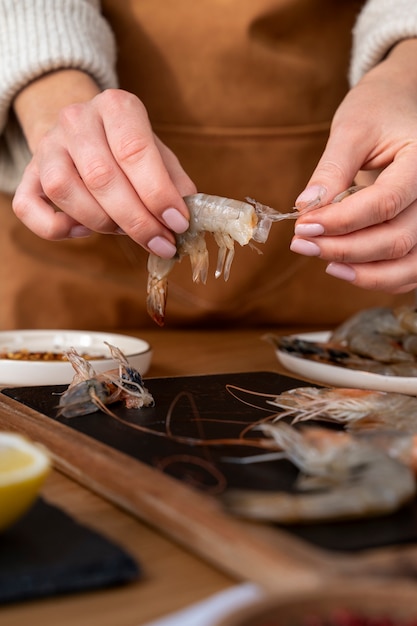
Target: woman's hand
x,y
97,166
370,237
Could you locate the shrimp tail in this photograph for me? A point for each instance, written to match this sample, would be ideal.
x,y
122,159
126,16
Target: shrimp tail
x,y
157,288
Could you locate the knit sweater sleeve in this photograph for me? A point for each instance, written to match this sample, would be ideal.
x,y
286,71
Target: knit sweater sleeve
x,y
39,36
380,25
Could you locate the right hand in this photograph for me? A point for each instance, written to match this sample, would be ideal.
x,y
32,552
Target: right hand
x,y
370,238
100,168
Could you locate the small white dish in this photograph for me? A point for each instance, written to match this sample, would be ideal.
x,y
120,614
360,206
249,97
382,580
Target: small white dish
x,y
338,376
23,372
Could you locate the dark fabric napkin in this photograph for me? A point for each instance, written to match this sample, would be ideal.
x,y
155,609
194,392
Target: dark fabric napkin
x,y
47,553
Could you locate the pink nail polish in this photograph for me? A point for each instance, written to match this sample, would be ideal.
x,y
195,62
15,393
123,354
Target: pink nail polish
x,y
309,230
308,248
175,220
162,247
342,271
80,231
311,197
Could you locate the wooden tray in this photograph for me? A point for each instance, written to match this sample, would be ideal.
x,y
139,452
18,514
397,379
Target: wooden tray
x,y
172,485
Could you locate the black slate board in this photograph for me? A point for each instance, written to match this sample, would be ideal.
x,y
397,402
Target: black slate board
x,y
211,407
47,553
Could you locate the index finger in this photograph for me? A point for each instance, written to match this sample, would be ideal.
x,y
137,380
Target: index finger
x,y
133,146
394,190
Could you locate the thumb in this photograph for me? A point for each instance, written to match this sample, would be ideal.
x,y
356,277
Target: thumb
x,y
334,175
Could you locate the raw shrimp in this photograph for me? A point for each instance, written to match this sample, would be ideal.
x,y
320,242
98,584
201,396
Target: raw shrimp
x,y
389,418
360,344
407,318
229,221
374,333
328,353
383,409
90,392
341,477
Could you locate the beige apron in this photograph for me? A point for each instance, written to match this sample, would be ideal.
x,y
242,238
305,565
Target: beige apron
x,y
243,92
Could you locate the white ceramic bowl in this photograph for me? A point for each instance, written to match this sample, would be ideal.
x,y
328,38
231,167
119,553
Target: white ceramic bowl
x,y
339,376
369,602
31,373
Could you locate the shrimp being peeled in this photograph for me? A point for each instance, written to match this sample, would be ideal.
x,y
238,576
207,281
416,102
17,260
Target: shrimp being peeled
x,y
90,392
342,477
229,221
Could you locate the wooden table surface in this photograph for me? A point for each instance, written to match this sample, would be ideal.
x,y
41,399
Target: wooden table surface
x,y
173,577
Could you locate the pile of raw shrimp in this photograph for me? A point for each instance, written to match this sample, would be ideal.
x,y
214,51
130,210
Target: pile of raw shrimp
x,y
379,340
369,466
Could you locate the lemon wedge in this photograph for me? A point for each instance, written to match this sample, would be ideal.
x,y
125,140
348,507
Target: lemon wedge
x,y
24,466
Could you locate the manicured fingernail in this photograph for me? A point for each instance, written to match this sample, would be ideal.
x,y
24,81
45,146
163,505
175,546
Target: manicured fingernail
x,y
309,230
310,197
175,220
308,248
77,232
162,247
339,270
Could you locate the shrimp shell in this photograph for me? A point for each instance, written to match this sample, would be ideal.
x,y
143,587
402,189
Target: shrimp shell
x,y
229,221
342,478
89,392
129,382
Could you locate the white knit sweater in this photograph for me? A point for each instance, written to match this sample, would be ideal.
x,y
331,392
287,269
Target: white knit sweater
x,y
380,25
37,36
